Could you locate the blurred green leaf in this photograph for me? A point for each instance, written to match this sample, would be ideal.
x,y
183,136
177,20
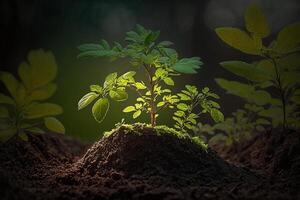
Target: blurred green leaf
x,y
288,38
10,82
187,65
42,93
136,114
129,109
42,110
6,99
256,21
54,125
238,39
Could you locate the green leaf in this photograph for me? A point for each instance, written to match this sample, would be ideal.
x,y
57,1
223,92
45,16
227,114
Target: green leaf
x,y
256,21
239,39
160,104
129,74
6,134
184,97
42,110
96,88
187,65
288,38
6,99
118,95
110,78
10,83
168,81
54,125
217,115
23,136
140,86
179,113
4,112
42,93
182,106
40,70
87,99
129,109
136,114
100,109
245,70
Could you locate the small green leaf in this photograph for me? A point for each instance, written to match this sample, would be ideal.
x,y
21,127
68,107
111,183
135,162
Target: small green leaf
x,y
42,109
179,113
140,86
188,65
217,115
10,83
256,21
110,78
100,109
160,104
182,106
118,95
54,125
136,114
129,109
184,97
96,88
238,39
87,99
168,81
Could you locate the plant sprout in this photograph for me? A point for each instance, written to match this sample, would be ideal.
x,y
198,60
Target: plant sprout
x,y
160,64
25,110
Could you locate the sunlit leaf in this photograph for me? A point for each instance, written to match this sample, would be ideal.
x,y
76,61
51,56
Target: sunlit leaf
x,y
96,88
238,39
140,86
87,99
129,109
136,114
54,125
168,81
118,95
100,109
182,106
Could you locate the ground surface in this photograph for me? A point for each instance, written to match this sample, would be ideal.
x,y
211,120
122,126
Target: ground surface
x,y
127,165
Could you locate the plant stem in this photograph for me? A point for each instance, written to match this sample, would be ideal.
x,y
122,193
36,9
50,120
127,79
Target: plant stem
x,y
152,101
282,96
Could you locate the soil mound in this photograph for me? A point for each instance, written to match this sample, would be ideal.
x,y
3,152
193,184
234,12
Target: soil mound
x,y
141,151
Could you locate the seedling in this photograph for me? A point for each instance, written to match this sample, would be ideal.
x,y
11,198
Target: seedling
x,y
25,110
277,67
160,63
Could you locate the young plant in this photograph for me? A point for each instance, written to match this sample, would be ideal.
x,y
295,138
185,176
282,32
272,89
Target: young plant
x,y
193,104
241,126
25,110
277,67
160,64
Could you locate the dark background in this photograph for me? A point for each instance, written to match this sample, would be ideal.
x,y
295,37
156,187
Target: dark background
x,y
60,26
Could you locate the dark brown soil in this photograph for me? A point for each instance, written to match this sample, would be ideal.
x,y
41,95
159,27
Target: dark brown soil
x,y
127,165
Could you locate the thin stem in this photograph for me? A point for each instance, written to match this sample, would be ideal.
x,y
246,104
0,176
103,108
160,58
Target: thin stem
x,y
281,91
